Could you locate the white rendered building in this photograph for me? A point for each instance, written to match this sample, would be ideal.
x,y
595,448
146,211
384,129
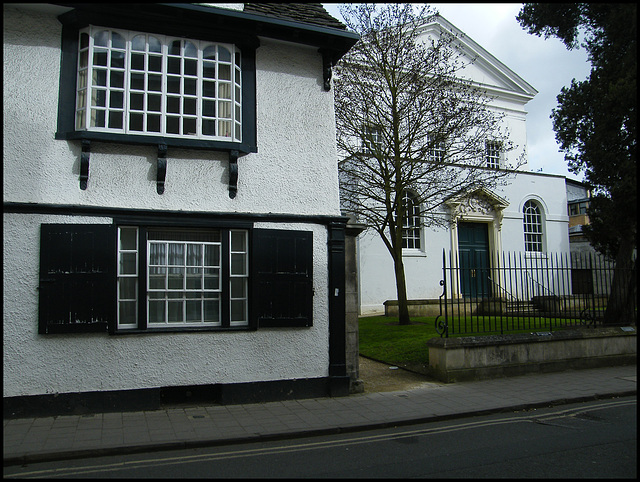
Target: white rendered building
x,y
484,222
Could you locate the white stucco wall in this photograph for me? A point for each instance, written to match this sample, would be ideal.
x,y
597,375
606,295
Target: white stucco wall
x,y
296,156
293,172
424,269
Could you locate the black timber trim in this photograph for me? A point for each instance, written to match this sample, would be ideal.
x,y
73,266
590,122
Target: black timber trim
x,y
161,168
227,21
155,398
184,218
339,380
141,17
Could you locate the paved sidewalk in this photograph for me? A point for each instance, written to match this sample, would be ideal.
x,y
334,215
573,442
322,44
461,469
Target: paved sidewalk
x,y
55,438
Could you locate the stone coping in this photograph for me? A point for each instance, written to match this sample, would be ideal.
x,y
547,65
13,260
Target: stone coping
x,y
534,337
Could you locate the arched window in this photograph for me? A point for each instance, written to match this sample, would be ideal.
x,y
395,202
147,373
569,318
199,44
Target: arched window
x,y
532,227
410,222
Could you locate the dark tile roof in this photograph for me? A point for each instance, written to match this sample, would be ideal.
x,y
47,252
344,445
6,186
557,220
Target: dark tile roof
x,y
312,13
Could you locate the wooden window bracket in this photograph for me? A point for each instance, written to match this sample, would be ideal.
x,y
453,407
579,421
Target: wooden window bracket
x,y
233,173
162,168
84,163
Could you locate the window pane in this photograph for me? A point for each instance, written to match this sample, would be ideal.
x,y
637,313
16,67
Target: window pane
x,y
99,98
190,67
194,310
84,40
156,311
97,118
84,59
138,43
224,72
135,122
189,106
154,44
176,254
211,279
173,105
224,129
211,311
127,288
190,86
101,38
115,119
174,48
128,238
173,65
173,85
238,264
155,82
190,49
153,123
209,108
137,101
137,61
225,55
194,282
127,313
157,278
137,81
189,127
173,125
117,41
238,310
175,311
209,53
212,255
117,79
128,263
155,63
154,102
100,77
238,287
238,240
209,127
175,279
209,89
209,70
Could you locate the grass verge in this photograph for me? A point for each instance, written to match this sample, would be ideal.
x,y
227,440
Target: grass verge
x,y
382,339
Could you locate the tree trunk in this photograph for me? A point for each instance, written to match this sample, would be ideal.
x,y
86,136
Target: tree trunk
x,y
401,286
622,299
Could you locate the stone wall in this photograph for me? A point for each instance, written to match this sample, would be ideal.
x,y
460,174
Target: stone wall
x,y
482,357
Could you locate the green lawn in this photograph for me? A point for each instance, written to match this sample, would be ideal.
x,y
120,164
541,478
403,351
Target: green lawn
x,y
382,339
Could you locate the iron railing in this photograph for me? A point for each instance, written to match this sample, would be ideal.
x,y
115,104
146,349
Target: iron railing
x,y
529,291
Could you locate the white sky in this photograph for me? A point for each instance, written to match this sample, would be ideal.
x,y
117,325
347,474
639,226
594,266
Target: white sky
x,y
545,64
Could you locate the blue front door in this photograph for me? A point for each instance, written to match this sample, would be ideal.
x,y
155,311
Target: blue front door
x,y
473,253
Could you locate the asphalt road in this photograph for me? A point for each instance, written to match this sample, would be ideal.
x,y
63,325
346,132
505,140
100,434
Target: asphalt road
x,y
595,439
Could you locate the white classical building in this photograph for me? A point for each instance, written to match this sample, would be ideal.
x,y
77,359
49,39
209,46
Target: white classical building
x,y
172,228
528,215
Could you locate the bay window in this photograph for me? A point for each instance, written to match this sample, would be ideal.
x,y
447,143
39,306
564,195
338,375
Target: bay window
x,y
138,83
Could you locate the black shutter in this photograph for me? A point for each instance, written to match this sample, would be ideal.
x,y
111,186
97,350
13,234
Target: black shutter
x,y
77,278
283,275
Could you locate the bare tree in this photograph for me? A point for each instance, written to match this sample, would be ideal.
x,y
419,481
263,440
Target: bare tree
x,y
412,132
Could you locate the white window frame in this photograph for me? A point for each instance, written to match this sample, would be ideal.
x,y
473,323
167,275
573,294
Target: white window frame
x,y
209,93
411,224
437,151
234,266
493,154
533,227
375,134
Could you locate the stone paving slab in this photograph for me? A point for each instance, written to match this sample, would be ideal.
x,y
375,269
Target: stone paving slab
x,y
69,436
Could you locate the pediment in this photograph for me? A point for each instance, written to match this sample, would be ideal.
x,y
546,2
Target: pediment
x,y
486,71
480,201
